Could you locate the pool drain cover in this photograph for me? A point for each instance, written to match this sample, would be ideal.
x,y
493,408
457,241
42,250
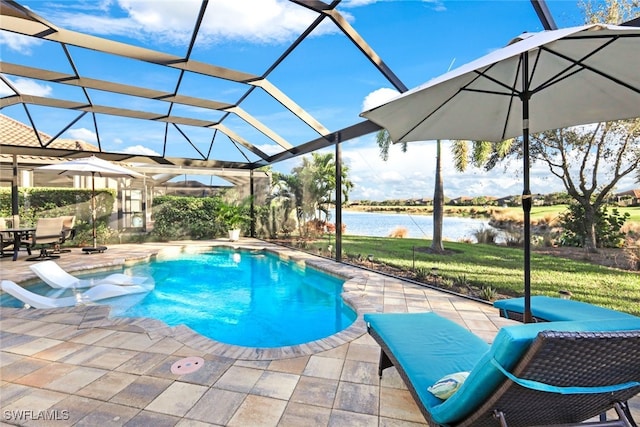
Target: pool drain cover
x,y
187,365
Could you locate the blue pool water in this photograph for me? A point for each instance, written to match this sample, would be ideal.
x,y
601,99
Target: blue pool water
x,y
245,298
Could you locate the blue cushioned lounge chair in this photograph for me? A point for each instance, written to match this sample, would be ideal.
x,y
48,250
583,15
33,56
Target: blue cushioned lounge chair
x,y
550,309
532,374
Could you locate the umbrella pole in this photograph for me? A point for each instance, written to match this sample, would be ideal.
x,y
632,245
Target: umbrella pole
x,y
526,192
15,203
93,208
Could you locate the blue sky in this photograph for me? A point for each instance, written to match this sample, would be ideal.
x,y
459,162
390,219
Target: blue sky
x,y
325,75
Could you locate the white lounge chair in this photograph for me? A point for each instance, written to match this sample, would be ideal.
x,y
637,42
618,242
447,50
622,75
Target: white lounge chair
x,y
35,300
96,293
53,275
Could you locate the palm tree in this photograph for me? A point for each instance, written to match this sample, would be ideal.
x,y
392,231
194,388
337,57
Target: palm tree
x,y
384,142
286,195
318,182
438,204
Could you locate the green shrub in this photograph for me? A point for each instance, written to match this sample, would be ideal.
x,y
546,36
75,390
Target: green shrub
x,y
422,273
178,218
461,280
446,282
608,227
485,236
44,202
488,293
104,234
513,238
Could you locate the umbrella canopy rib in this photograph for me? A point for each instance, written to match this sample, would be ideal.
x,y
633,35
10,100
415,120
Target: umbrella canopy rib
x,y
584,66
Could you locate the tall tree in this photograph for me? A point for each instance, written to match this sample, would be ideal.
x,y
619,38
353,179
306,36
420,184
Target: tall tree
x,y
438,204
610,11
384,142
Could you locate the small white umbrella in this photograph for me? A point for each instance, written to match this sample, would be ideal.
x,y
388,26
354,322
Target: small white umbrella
x,y
541,81
91,166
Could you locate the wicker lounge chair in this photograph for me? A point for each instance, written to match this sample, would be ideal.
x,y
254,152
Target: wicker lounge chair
x,y
532,374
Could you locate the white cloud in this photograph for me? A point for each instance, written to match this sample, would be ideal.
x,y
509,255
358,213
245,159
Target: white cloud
x,y
270,149
403,175
139,149
357,3
412,174
18,42
26,86
5,90
83,134
253,21
437,5
104,25
378,97
262,20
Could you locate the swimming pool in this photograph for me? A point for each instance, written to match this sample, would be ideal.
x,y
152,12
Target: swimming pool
x,y
240,297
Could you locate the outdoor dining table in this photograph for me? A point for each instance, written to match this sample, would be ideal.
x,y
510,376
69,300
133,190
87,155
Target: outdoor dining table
x,y
18,235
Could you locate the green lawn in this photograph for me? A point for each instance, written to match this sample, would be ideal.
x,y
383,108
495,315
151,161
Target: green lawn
x,y
634,212
539,212
501,268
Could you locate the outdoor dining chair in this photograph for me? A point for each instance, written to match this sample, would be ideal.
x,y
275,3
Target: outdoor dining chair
x,y
47,234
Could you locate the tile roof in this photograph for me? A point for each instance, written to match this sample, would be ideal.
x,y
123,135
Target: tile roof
x,y
633,193
17,133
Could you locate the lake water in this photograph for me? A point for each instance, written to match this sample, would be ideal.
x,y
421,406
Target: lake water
x,y
418,226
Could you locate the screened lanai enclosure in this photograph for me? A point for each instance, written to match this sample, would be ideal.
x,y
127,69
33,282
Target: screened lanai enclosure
x,y
252,103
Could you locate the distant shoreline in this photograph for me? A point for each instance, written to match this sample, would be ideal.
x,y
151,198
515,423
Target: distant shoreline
x,y
464,211
500,215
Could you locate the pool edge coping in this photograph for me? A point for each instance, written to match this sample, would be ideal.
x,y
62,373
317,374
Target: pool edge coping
x,y
98,316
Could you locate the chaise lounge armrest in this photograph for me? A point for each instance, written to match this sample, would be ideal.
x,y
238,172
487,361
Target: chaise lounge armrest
x,y
550,309
598,361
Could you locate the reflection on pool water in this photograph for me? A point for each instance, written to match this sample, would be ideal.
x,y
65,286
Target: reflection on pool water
x,y
247,298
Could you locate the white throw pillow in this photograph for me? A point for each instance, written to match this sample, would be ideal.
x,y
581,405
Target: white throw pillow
x,y
447,385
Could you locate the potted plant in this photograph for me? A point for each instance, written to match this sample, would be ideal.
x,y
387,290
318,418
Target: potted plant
x,y
234,217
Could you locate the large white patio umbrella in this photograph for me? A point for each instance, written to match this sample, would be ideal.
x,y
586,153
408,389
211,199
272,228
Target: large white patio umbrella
x,y
91,166
540,81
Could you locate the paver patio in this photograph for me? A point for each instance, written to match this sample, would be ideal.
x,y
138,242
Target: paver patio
x,y
79,367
